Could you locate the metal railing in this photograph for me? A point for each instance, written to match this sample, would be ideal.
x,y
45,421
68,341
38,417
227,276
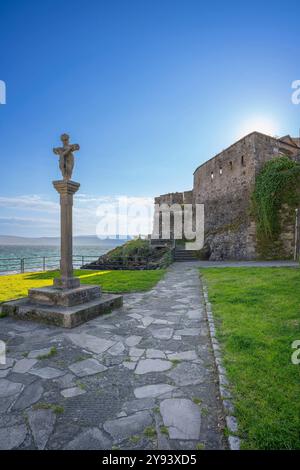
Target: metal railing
x,y
39,263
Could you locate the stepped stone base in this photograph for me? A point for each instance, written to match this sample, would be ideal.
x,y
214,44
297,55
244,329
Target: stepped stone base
x,y
59,313
65,298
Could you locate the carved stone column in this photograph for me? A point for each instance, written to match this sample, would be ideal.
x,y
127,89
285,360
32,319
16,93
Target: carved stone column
x,y
66,189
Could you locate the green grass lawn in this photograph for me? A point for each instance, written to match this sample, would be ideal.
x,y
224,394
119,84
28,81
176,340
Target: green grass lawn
x,y
17,285
257,313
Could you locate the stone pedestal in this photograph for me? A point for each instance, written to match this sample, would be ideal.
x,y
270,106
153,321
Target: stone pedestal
x,y
66,189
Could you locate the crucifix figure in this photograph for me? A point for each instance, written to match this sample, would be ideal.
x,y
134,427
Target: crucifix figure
x,y
66,157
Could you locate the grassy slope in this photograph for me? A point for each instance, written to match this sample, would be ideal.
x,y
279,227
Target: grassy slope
x,y
257,311
17,285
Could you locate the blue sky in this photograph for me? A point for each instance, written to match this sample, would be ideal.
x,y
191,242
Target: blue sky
x,y
149,89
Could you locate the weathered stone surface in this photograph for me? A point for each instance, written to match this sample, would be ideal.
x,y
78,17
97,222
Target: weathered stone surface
x,y
117,349
187,374
162,333
8,363
41,423
12,437
124,428
232,424
152,365
138,405
50,295
92,343
188,332
66,317
87,367
129,365
182,418
47,372
24,365
133,340
155,354
136,352
147,321
31,394
8,388
234,442
183,356
4,373
194,314
72,392
90,439
5,404
153,390
39,352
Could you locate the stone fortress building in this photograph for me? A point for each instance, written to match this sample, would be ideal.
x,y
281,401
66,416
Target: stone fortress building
x,y
224,185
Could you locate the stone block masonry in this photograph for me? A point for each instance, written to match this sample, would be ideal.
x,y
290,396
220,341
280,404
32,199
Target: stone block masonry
x,y
224,184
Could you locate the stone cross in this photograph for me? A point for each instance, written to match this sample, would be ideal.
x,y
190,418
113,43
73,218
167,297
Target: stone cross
x,y
66,189
66,157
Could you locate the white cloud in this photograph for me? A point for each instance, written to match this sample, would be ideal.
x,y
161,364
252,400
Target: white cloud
x,y
93,215
31,202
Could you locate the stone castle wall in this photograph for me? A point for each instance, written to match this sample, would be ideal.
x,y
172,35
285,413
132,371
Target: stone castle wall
x,y
224,184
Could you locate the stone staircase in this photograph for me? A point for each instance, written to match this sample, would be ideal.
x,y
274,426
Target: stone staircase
x,y
181,254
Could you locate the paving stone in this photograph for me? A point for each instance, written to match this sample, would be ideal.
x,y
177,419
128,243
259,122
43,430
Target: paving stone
x,y
5,404
116,349
30,395
8,363
163,322
89,342
41,423
183,356
66,381
188,332
136,316
182,418
153,390
8,388
129,365
133,340
72,392
139,405
47,372
39,352
90,439
194,314
162,333
147,321
155,354
187,374
136,352
152,365
24,365
129,426
87,367
12,437
4,373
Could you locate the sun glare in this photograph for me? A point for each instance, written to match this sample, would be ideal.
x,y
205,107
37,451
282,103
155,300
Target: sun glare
x,y
259,124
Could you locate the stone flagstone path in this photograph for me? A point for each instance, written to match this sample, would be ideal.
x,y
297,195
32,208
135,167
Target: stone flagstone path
x,y
139,378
